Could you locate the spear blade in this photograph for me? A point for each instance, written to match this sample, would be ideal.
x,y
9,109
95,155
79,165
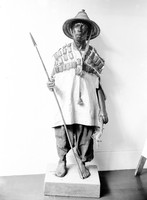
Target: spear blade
x,y
33,40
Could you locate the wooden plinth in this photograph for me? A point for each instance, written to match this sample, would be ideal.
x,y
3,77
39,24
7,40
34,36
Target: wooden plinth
x,y
72,186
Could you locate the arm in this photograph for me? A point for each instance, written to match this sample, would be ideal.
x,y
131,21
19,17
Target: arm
x,y
101,101
51,82
103,117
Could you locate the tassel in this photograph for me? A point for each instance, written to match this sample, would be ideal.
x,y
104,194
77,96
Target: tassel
x,y
80,101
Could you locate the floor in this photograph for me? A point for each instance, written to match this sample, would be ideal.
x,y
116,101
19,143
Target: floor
x,y
123,185
115,185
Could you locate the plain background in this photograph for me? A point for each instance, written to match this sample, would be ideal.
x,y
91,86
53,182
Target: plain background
x,y
27,142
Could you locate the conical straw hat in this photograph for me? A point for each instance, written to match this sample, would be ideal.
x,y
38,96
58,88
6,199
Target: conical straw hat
x,y
81,17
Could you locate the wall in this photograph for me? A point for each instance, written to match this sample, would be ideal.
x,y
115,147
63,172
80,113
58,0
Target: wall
x,y
27,142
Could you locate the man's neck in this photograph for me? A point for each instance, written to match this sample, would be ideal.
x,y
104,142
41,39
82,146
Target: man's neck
x,y
80,45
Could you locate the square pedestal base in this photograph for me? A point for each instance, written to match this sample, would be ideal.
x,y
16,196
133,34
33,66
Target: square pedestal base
x,y
72,186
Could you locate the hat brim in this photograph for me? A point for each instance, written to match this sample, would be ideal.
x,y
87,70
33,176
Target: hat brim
x,y
68,24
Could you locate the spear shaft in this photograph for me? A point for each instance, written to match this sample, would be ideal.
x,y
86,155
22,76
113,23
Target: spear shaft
x,y
67,134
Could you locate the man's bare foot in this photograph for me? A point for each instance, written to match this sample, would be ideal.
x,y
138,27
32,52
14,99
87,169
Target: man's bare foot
x,y
61,169
84,170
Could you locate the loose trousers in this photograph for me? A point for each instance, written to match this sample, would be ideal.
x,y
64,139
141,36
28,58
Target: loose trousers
x,y
80,136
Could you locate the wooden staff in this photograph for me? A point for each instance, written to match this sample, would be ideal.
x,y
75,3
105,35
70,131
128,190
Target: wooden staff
x,y
58,106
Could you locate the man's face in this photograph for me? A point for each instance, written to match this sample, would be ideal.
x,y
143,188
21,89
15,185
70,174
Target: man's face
x,y
80,31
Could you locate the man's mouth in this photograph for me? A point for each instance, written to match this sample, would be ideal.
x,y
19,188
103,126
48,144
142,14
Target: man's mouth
x,y
79,35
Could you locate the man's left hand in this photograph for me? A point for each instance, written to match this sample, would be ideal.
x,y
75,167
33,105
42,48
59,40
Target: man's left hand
x,y
104,117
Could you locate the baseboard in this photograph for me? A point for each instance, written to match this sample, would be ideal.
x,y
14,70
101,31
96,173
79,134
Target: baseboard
x,y
105,161
117,160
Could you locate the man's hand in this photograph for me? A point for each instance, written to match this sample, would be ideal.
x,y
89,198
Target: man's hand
x,y
104,116
97,134
51,84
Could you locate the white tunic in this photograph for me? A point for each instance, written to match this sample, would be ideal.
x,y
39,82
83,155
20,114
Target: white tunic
x,y
67,91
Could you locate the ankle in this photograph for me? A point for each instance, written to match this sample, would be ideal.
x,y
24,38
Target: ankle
x,y
62,160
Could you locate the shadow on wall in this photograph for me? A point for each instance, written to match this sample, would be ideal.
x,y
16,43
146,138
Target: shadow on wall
x,y
111,85
113,139
114,134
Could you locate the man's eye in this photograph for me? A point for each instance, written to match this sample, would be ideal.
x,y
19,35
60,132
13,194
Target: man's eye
x,y
84,26
77,25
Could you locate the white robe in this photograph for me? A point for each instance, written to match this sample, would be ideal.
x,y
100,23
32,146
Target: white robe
x,y
67,92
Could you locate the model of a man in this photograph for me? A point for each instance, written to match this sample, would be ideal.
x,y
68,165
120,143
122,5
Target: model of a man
x,y
76,81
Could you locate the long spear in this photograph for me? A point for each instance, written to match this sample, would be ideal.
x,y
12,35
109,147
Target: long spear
x,y
67,134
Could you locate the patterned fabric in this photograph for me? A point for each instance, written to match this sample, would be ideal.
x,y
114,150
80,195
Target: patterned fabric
x,y
65,60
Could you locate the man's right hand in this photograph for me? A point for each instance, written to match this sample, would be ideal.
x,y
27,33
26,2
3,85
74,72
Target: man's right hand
x,y
51,84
